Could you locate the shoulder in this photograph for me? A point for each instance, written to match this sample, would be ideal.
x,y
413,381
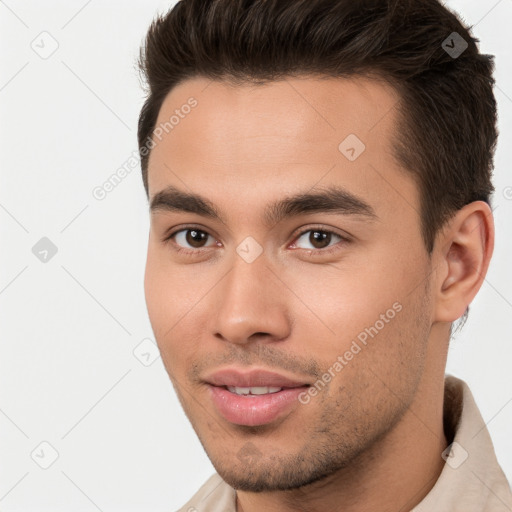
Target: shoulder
x,y
214,495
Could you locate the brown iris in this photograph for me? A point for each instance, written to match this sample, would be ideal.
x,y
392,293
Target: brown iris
x,y
195,237
320,239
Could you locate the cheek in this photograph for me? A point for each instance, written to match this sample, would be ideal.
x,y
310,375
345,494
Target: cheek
x,y
382,374
162,294
341,302
166,288
173,299
365,313
157,292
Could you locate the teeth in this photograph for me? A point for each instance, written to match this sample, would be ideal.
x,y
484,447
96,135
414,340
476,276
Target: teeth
x,y
261,390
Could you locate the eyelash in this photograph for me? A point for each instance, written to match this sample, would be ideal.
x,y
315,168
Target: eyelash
x,y
311,252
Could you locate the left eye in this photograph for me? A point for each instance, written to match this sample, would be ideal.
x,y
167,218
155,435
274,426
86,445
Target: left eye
x,y
318,239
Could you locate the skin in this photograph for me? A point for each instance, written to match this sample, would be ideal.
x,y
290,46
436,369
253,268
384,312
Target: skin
x,y
372,438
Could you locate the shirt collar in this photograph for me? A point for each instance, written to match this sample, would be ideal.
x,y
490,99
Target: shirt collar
x,y
471,479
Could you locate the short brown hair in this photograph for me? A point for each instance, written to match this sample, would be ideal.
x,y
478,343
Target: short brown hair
x,y
446,133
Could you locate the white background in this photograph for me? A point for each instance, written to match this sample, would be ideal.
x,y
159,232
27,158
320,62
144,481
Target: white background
x,y
69,326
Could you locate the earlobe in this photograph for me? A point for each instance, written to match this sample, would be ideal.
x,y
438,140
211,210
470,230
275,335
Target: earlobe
x,y
464,252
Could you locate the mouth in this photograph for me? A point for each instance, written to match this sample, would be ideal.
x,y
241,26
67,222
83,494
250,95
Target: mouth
x,y
253,398
254,391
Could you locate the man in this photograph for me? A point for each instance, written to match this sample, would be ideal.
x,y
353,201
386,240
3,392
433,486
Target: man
x,y
319,179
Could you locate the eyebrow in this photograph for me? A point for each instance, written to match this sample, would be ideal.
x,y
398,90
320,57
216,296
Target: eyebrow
x,y
332,199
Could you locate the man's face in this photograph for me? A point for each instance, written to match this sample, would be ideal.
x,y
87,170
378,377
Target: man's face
x,y
261,296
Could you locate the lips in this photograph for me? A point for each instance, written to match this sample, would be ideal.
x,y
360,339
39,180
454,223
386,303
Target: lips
x,y
254,378
256,397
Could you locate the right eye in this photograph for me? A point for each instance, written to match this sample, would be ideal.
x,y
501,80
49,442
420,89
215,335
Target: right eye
x,y
190,240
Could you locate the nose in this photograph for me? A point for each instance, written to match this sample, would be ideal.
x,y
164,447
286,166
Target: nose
x,y
249,305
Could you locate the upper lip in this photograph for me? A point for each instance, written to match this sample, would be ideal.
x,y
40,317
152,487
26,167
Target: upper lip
x,y
253,378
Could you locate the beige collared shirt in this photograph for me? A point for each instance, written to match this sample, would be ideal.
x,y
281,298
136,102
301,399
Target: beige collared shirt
x,y
471,479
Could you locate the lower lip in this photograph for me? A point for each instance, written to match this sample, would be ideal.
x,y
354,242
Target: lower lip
x,y
252,410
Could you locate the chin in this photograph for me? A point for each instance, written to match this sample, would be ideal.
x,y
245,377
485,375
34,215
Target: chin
x,y
274,476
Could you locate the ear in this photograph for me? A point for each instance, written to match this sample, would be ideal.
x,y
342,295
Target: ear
x,y
463,253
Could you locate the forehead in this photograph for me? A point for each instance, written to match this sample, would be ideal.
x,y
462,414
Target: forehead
x,y
293,132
